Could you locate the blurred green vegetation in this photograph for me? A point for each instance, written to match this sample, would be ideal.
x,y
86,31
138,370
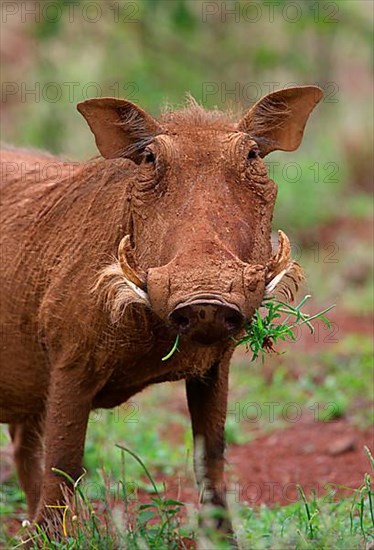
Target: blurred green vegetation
x,y
227,54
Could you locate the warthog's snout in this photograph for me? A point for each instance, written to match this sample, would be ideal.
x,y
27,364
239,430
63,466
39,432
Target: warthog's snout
x,y
207,320
207,304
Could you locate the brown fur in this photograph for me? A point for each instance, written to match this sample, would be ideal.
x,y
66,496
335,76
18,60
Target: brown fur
x,y
76,335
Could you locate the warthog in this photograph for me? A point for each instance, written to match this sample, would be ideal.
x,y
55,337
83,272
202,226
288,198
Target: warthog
x,y
104,262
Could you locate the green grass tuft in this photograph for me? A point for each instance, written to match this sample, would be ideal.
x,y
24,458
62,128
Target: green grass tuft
x,y
263,331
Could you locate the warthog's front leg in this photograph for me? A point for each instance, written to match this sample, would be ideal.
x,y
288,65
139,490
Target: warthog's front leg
x,y
207,402
68,408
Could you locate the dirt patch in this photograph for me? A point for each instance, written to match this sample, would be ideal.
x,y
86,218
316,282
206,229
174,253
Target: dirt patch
x,y
312,454
350,324
325,458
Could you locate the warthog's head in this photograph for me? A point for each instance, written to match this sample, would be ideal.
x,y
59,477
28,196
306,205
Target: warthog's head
x,y
199,248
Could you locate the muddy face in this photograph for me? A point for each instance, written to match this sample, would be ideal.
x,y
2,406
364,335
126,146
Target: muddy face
x,y
201,204
202,214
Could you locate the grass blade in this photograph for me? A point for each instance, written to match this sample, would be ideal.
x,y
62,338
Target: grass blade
x,y
173,349
145,469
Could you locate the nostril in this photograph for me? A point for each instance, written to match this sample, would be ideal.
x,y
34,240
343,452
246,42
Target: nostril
x,y
233,321
182,321
206,322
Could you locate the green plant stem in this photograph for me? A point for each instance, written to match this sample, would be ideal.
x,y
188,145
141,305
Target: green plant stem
x,y
173,349
139,460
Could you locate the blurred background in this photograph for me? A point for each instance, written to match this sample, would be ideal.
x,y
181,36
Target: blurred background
x,y
226,54
54,54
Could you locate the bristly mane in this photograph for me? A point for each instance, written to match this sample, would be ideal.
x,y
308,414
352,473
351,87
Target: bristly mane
x,y
190,116
193,114
269,114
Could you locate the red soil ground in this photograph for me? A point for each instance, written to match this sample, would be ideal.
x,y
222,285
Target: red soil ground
x,y
312,454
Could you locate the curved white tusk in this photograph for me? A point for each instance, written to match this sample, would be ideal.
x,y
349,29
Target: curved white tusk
x,y
143,295
135,282
281,265
283,256
275,281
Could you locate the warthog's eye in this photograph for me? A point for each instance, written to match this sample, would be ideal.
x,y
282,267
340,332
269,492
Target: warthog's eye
x,y
149,157
253,153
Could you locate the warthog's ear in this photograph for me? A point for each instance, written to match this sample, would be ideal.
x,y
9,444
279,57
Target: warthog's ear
x,y
121,129
277,121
